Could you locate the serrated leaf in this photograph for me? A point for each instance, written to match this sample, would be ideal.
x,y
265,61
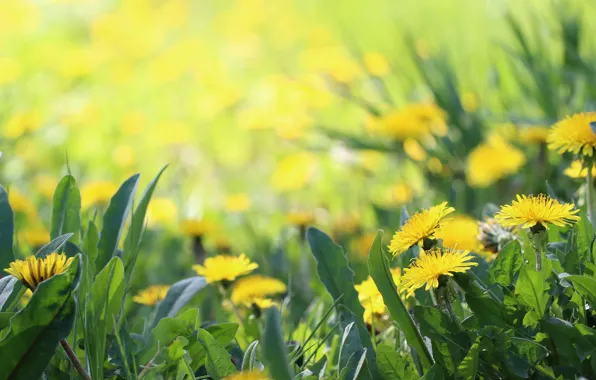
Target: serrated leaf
x,y
584,285
468,368
532,290
392,365
506,266
114,220
219,361
66,209
6,232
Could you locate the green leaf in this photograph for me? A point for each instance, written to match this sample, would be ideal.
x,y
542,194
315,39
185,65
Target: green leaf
x,y
178,296
378,267
250,357
6,232
532,290
584,285
5,319
89,246
434,373
66,209
7,285
350,345
219,361
507,264
275,352
468,368
355,368
486,310
337,276
135,231
54,246
522,355
114,220
392,365
36,330
168,329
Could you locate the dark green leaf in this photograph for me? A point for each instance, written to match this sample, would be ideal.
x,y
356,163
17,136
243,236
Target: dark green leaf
x,y
6,231
392,365
114,220
275,353
66,209
177,296
468,368
434,373
506,266
532,290
584,285
378,267
219,361
54,246
36,330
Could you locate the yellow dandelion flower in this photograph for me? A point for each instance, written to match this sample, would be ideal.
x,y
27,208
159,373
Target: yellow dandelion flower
x,y
370,297
19,202
195,227
97,192
32,271
238,203
415,121
152,295
578,170
45,185
529,211
35,236
534,134
252,375
574,134
414,150
225,267
300,218
161,211
460,233
256,289
361,245
421,225
294,171
434,165
376,64
430,265
483,169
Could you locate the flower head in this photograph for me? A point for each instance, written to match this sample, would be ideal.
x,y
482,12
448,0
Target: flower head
x,y
494,236
256,289
534,134
460,233
224,267
300,218
574,134
152,295
430,265
97,192
161,211
578,170
421,225
32,271
238,202
195,227
370,297
529,211
483,169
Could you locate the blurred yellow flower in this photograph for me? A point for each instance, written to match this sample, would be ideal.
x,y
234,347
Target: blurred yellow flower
x,y
537,211
401,194
422,225
161,211
460,233
469,101
294,171
46,185
195,227
361,244
370,297
255,288
32,271
123,156
151,295
414,121
238,202
10,70
534,134
300,218
252,375
493,160
430,265
414,150
21,123
434,165
574,134
376,64
225,268
577,170
97,193
20,203
35,235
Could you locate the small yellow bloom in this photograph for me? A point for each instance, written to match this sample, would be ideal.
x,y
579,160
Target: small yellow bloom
x,y
238,203
256,289
294,171
469,101
361,245
224,267
460,233
252,375
19,202
574,134
376,64
400,194
415,121
152,295
161,211
534,134
421,225
195,227
577,170
493,160
46,185
434,165
35,235
370,297
414,150
300,218
529,211
430,265
97,193
32,271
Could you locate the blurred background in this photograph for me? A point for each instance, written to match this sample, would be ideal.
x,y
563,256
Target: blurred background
x,y
277,114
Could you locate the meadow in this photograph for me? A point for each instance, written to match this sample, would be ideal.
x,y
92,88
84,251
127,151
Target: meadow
x,y
289,190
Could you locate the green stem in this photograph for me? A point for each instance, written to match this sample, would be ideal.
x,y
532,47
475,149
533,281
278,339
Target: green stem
x,y
590,197
74,360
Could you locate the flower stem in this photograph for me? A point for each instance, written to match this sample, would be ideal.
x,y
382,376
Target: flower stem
x,y
590,197
74,360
